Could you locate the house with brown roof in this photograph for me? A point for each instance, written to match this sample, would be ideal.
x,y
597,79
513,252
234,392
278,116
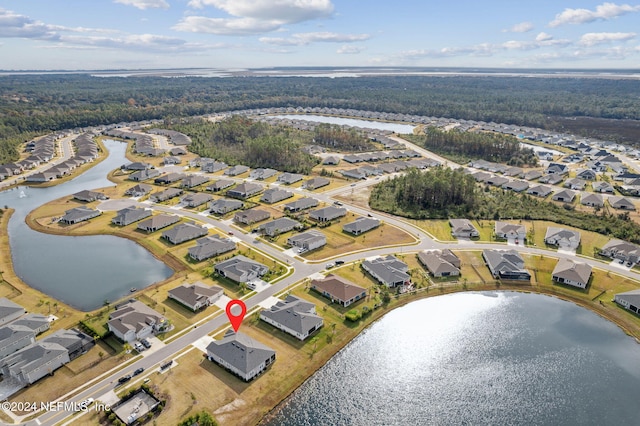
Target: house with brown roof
x,y
440,263
315,183
339,289
196,296
158,222
196,199
134,320
251,216
572,273
245,190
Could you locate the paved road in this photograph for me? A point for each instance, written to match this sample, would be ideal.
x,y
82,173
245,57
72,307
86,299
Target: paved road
x,y
301,270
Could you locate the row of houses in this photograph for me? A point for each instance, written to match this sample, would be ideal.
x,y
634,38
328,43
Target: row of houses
x,y
86,151
41,151
365,171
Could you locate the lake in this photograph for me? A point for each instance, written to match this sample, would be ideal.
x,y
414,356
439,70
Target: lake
x,y
476,358
80,271
379,125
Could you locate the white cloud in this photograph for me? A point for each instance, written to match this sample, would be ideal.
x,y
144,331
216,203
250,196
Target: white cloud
x,y
286,11
302,39
20,26
604,11
590,39
242,26
145,4
349,50
522,27
543,37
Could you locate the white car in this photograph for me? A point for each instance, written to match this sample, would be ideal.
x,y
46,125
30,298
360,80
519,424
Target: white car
x,y
87,402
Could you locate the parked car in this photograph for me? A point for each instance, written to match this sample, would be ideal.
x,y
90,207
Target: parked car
x,y
124,379
138,371
138,347
145,343
87,402
339,262
330,265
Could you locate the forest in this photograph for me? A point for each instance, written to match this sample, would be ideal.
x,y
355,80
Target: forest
x,y
462,146
40,104
238,140
442,193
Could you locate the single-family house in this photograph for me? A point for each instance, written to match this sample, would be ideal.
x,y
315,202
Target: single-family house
x,y
251,216
339,289
171,160
139,190
275,195
212,166
130,215
34,362
137,166
565,196
245,190
241,355
621,203
167,194
74,341
133,320
563,238
586,174
629,300
196,199
196,296
556,169
532,174
9,311
575,184
210,246
602,186
290,178
572,273
279,226
89,196
79,214
307,241
315,183
184,232
262,174
293,316
621,250
440,263
552,179
192,181
463,228
144,175
158,222
300,204
241,269
389,270
236,170
506,231
169,178
540,191
327,214
591,199
506,265
224,206
361,225
15,337
516,185
35,322
219,185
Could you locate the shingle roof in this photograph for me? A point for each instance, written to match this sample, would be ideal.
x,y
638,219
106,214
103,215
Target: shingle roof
x,y
241,351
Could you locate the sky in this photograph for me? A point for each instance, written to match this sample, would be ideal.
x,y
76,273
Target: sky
x,y
239,34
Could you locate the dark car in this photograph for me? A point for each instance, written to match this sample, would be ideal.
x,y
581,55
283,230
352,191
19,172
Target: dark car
x,y
145,343
339,262
124,379
138,371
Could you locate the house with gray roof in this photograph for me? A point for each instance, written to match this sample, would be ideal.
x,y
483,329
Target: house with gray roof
x,y
196,199
564,196
144,175
315,183
339,289
506,265
219,185
293,316
532,174
133,320
262,174
290,178
169,178
357,173
602,186
211,246
629,300
9,311
36,322
241,355
327,214
307,241
245,190
300,204
236,170
389,271
212,166
516,185
506,230
79,214
138,165
331,160
361,225
129,215
440,263
279,226
192,181
621,203
158,222
557,169
621,250
575,184
273,195
74,341
139,190
89,196
563,238
241,269
552,179
196,296
224,206
15,337
184,232
463,228
586,174
540,190
251,216
171,160
165,195
572,273
591,199
34,362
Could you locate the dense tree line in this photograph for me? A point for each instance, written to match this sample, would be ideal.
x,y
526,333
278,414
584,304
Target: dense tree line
x,y
238,140
45,103
339,139
398,196
464,146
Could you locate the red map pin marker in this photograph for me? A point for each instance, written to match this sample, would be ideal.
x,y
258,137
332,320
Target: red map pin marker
x,y
236,320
